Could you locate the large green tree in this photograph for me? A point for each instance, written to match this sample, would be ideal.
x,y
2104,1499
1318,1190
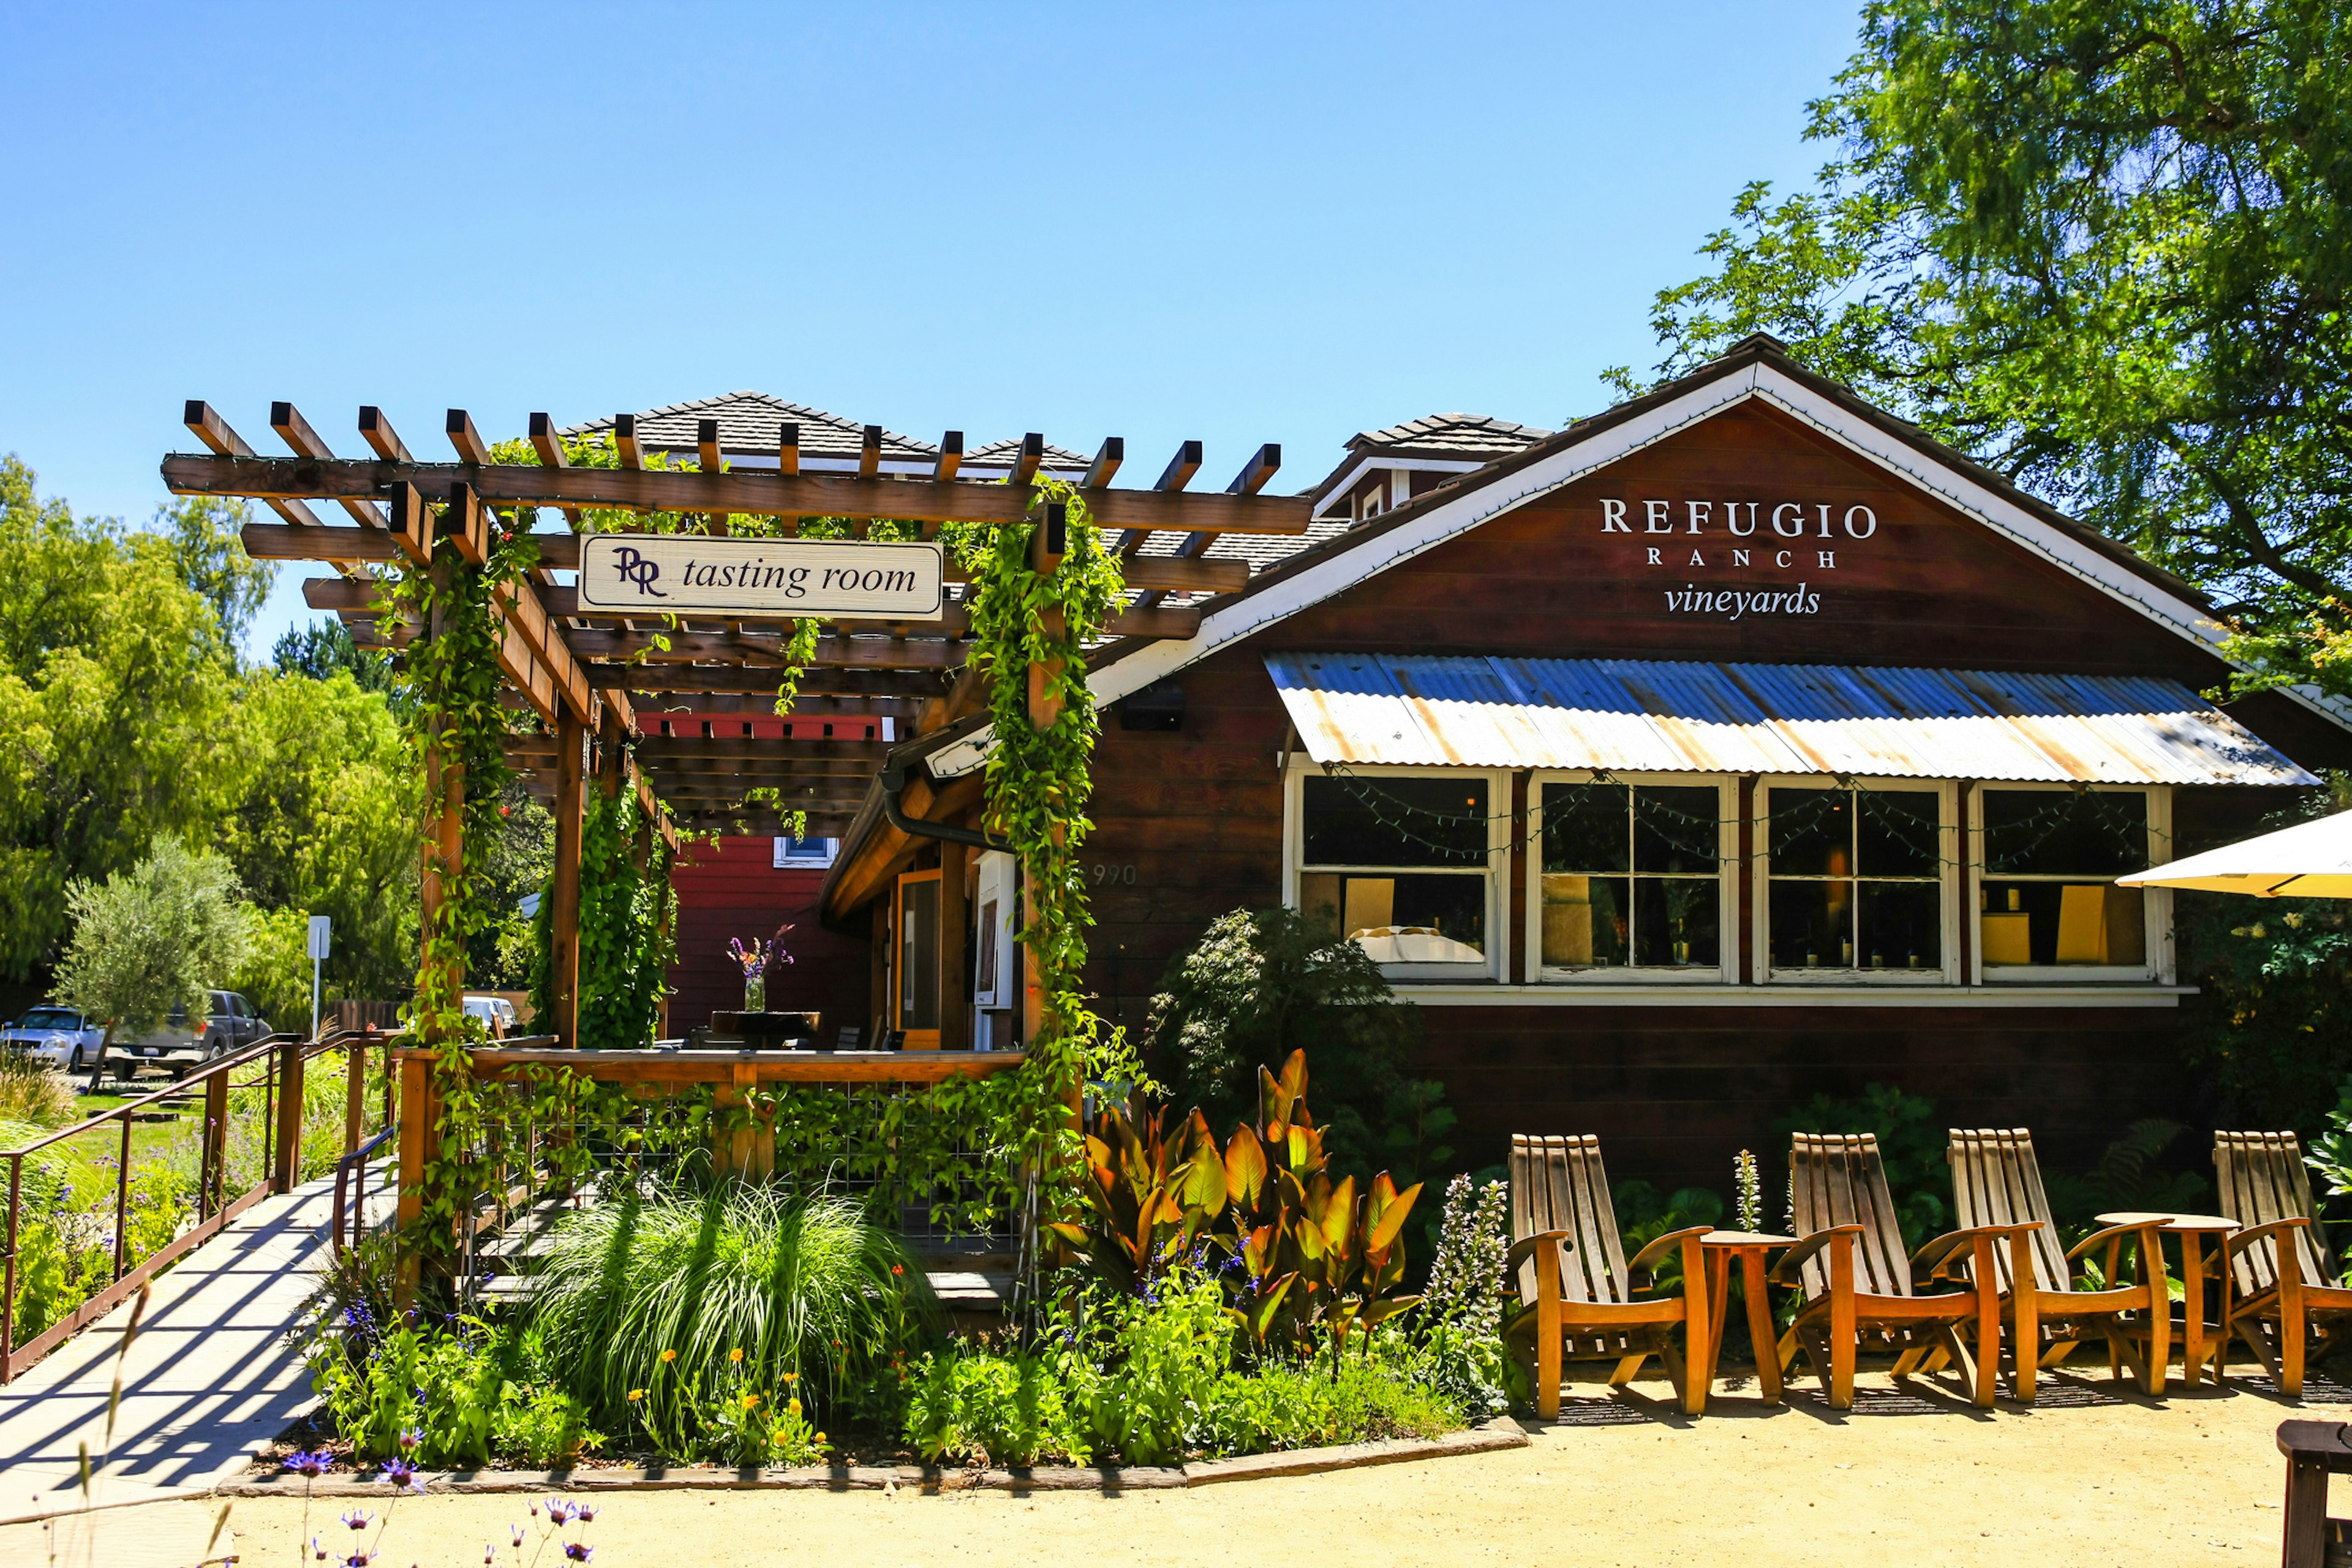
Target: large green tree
x,y
2105,247
126,717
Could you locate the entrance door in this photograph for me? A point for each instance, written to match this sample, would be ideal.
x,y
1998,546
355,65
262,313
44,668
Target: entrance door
x,y
914,1001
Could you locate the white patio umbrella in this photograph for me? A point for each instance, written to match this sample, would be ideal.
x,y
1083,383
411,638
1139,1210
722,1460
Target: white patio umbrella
x,y
2309,860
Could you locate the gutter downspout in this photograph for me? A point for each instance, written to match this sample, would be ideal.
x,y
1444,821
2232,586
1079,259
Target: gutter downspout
x,y
893,779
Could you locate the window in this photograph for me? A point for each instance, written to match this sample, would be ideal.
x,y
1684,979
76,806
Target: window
x,y
2046,899
1633,877
1854,881
1401,865
809,853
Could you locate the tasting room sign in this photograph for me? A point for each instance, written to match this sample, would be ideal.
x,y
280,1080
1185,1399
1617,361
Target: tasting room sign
x,y
693,573
1786,553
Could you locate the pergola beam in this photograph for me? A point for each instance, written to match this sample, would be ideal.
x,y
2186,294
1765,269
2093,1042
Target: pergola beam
x,y
749,491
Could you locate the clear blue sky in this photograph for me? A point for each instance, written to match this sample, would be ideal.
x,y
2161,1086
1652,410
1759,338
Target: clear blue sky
x,y
1240,222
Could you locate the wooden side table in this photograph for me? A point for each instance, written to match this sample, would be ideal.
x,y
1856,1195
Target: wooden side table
x,y
2313,1450
2199,1339
1721,1250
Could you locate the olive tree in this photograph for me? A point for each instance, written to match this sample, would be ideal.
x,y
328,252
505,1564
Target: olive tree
x,y
151,941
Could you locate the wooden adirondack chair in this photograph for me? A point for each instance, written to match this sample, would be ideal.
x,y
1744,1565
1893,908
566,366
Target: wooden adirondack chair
x,y
1857,1280
1576,1290
2288,1301
1996,1182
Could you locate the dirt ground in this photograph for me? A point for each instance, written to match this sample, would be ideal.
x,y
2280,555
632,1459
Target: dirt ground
x,y
2091,1476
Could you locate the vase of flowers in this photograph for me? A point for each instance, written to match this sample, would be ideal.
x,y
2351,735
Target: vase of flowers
x,y
756,960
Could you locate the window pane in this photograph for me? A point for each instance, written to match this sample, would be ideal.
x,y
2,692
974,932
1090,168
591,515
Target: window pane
x,y
1812,924
1901,925
1676,922
1415,919
2065,833
1584,920
2064,924
1898,832
919,957
1395,822
1813,832
1676,829
1584,827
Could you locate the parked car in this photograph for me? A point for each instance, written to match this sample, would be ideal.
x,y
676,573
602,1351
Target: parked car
x,y
184,1043
55,1036
495,1011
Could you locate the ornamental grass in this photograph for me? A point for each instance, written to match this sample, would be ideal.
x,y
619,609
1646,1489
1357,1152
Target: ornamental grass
x,y
669,1307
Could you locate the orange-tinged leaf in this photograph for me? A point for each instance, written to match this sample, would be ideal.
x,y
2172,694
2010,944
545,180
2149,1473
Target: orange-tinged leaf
x,y
1338,1216
1244,1166
1294,1075
1384,1229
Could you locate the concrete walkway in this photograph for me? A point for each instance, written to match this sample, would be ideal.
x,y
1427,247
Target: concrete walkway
x,y
209,1379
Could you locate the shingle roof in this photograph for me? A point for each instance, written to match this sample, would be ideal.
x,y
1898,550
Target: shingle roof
x,y
749,422
1001,454
1477,435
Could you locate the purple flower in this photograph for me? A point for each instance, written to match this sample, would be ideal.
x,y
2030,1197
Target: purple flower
x,y
410,1439
559,1511
312,1465
400,1473
585,1512
517,1531
317,1551
490,1552
578,1550
358,1519
359,1559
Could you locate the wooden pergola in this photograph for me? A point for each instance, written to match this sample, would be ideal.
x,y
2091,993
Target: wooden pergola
x,y
662,706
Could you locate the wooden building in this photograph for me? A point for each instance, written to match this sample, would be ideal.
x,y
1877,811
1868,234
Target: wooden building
x,y
1734,745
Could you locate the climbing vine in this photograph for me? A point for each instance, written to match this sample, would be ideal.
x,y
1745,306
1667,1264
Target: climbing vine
x,y
627,926
450,676
1039,781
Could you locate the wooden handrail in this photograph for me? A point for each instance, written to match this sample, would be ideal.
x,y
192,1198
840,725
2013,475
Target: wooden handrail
x,y
495,1062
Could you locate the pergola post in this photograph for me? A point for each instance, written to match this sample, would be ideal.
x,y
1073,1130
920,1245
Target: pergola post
x,y
445,766
1046,548
563,918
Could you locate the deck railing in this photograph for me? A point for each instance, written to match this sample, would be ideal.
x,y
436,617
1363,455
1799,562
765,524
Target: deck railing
x,y
256,1120
860,1133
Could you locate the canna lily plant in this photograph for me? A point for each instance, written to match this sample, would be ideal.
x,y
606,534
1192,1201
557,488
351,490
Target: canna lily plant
x,y
1307,1254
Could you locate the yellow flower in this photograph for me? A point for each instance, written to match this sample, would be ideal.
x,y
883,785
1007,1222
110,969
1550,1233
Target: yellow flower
x,y
735,1354
751,1402
668,1356
820,1436
795,1408
792,1377
636,1394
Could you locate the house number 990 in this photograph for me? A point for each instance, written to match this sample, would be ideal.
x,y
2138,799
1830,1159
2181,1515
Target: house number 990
x,y
1107,875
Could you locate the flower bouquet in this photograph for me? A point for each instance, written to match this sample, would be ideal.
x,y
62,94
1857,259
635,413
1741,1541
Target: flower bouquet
x,y
755,959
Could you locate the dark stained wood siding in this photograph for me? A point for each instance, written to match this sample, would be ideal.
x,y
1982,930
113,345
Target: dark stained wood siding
x,y
1676,1090
731,889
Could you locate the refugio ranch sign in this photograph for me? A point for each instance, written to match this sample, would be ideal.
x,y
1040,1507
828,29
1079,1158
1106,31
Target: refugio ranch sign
x,y
693,573
1787,544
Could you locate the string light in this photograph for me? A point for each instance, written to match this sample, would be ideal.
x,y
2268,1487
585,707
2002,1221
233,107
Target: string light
x,y
2132,833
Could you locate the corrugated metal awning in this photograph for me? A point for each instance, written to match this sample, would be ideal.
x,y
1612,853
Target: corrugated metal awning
x,y
1636,716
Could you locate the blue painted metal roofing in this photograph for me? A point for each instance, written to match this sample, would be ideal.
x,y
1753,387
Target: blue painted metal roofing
x,y
1638,716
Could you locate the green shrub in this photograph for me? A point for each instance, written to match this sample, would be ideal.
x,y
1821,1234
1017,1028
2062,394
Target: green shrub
x,y
450,1394
1261,985
642,1300
1009,1409
1283,1407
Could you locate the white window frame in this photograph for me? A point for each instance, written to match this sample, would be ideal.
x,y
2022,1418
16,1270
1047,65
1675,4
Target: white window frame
x,y
1948,884
2156,902
782,862
1497,874
1727,787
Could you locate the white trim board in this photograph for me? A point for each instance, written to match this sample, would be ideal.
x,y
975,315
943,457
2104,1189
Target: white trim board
x,y
1558,996
1343,569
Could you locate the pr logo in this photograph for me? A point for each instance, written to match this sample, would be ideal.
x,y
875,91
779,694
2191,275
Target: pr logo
x,y
638,570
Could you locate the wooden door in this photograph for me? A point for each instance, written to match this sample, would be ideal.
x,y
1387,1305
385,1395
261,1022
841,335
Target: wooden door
x,y
918,978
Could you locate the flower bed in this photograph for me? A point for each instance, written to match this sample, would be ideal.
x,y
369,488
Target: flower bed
x,y
1204,1303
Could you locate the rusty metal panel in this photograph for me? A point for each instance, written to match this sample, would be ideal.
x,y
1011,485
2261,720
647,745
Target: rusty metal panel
x,y
1668,716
